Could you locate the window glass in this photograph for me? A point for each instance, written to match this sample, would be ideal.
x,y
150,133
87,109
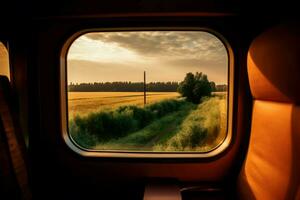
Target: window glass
x,y
158,91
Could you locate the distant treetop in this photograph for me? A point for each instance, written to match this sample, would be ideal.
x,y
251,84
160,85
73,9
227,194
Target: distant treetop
x,y
133,87
195,86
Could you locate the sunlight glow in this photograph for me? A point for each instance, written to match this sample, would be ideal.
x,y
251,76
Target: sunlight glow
x,y
84,48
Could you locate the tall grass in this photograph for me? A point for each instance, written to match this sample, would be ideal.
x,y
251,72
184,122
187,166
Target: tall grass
x,y
103,126
169,125
202,130
160,129
191,128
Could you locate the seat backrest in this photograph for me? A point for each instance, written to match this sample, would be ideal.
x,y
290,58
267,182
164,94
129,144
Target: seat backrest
x,y
13,166
271,169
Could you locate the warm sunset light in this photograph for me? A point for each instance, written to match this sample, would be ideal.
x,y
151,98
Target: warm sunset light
x,y
4,61
148,91
165,55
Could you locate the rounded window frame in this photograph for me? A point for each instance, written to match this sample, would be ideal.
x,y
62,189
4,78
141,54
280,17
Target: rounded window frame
x,y
69,141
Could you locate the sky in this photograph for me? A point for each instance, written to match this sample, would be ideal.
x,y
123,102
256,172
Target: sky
x,y
164,55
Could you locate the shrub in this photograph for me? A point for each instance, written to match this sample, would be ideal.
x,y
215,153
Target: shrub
x,y
86,140
106,125
164,107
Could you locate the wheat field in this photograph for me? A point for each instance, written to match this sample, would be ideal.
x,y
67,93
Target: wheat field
x,y
82,103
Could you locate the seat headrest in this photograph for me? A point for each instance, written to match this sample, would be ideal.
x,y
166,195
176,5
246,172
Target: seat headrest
x,y
274,64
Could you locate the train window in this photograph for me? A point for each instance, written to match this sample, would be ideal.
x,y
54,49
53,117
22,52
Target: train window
x,y
4,61
147,91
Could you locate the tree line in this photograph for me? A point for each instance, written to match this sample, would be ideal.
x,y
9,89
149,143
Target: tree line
x,y
132,87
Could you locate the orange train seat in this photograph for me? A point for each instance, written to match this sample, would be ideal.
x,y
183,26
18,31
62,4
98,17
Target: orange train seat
x,y
271,169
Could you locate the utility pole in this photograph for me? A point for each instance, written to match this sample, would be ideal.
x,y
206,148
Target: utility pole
x,y
144,88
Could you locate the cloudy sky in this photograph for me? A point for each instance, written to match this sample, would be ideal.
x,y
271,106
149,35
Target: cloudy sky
x,y
164,55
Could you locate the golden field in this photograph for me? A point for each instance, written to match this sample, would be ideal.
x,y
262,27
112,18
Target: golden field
x,y
82,103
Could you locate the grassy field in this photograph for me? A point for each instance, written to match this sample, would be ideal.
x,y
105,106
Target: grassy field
x,y
118,121
83,103
191,128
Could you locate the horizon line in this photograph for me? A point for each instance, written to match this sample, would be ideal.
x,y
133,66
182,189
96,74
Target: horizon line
x,y
135,82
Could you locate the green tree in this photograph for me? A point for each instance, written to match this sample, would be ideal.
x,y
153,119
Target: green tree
x,y
213,86
186,87
194,87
